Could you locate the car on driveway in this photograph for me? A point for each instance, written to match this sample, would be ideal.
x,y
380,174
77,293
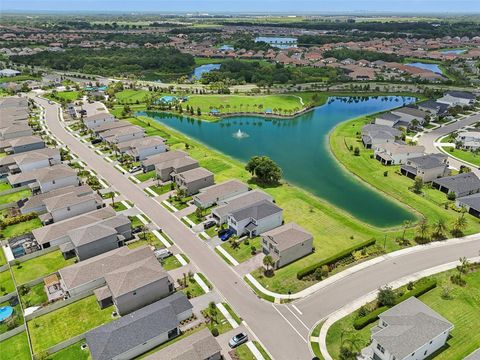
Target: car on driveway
x,y
237,340
208,224
226,234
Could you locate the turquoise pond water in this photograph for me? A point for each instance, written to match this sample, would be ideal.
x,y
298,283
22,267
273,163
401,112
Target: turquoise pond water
x,y
426,66
202,69
453,51
300,147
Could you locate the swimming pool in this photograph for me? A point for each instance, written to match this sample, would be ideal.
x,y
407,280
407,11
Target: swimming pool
x,y
5,313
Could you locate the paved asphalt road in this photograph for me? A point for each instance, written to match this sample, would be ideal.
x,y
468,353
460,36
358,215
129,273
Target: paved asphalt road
x,y
283,329
428,139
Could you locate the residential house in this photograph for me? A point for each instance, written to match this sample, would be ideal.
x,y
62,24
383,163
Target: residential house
x,y
287,243
191,181
461,185
433,107
149,163
238,202
94,121
56,233
409,117
15,130
141,331
408,331
457,98
68,205
14,115
469,140
373,134
97,238
167,170
140,149
255,219
21,144
471,203
119,135
45,179
107,126
395,154
28,161
427,167
200,345
212,195
36,203
9,73
387,119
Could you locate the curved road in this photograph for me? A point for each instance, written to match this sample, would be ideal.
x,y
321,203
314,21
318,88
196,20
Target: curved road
x,y
283,329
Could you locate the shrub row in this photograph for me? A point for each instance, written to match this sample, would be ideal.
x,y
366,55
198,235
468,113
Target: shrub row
x,y
361,322
17,219
333,259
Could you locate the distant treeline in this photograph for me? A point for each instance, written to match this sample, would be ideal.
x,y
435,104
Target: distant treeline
x,y
194,30
113,62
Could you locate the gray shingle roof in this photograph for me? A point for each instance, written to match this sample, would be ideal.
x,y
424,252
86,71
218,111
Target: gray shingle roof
x,y
461,183
429,161
472,201
388,117
411,324
136,328
195,174
287,235
434,106
241,201
407,110
166,156
461,95
198,346
257,211
214,192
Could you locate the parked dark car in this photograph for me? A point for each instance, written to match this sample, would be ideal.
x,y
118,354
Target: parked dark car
x,y
208,224
224,236
96,141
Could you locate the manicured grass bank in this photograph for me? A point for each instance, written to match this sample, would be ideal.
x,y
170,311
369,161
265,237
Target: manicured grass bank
x,y
15,348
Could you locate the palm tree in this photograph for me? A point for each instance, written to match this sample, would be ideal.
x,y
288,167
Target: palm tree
x,y
406,225
423,228
112,196
268,262
439,228
459,225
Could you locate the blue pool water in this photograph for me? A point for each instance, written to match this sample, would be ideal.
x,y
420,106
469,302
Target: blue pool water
x,y
5,313
432,67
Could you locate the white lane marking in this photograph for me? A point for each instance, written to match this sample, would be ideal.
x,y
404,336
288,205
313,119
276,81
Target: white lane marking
x,y
306,327
297,309
291,325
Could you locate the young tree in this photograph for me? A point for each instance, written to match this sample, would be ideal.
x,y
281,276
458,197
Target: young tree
x,y
418,185
459,225
268,262
386,296
439,229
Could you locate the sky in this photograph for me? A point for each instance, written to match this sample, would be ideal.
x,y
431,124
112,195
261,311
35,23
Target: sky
x,y
246,6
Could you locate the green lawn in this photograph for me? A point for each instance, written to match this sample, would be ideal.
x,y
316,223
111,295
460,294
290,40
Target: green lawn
x,y
197,220
15,196
463,310
67,322
146,176
18,78
72,352
5,186
148,239
244,353
40,266
464,155
15,348
20,228
162,189
219,322
193,289
3,259
232,313
171,263
6,283
129,96
36,296
118,206
314,344
243,252
179,204
69,95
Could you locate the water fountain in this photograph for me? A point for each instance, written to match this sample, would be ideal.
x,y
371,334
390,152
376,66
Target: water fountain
x,y
240,134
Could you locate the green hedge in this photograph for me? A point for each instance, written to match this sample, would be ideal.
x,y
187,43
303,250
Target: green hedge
x,y
333,259
361,322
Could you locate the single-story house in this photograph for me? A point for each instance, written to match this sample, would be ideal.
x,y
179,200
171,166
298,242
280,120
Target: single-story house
x,y
37,202
15,131
427,167
141,331
168,169
31,160
387,119
193,180
13,115
98,238
461,185
197,346
94,121
471,203
470,140
460,98
117,124
45,179
408,115
214,194
56,233
149,163
409,330
140,149
238,202
13,102
395,154
126,133
287,243
255,219
22,144
433,107
373,134
66,206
